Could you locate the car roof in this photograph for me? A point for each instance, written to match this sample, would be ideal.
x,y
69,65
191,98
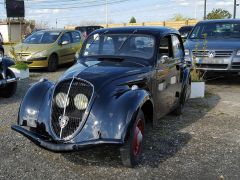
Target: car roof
x,y
220,20
153,30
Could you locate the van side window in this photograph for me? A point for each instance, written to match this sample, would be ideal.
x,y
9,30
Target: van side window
x,y
165,47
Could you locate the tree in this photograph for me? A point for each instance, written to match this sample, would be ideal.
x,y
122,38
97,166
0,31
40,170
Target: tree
x,y
133,20
179,17
219,14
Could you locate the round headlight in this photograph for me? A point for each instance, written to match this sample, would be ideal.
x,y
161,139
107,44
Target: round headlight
x,y
62,100
81,101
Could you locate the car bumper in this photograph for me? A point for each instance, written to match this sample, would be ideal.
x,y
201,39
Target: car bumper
x,y
38,63
62,147
231,65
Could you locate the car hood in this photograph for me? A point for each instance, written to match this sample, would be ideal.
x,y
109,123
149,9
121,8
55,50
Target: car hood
x,y
218,44
102,72
31,48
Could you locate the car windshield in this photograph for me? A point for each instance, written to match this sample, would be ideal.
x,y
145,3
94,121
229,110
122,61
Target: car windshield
x,y
131,45
216,30
42,37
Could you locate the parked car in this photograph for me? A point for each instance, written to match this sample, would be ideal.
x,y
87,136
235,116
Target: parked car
x,y
125,77
8,81
1,51
49,48
86,30
214,45
185,30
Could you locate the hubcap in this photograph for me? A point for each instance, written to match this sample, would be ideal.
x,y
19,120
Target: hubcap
x,y
138,137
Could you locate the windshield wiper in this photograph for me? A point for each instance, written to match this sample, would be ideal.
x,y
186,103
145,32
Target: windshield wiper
x,y
130,35
110,58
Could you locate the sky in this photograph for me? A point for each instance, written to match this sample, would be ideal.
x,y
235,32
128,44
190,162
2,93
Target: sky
x,y
75,12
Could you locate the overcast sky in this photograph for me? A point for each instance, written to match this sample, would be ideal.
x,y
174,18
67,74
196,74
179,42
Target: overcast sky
x,y
120,11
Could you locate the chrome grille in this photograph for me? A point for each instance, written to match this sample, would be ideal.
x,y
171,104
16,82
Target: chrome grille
x,y
202,53
236,65
75,116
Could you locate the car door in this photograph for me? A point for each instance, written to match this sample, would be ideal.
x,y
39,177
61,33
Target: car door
x,y
65,51
176,67
163,90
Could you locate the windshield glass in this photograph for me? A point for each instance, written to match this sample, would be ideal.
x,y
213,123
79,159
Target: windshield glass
x,y
133,45
216,30
42,37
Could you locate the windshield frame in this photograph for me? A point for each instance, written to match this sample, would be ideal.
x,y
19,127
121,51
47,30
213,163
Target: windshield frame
x,y
59,35
118,55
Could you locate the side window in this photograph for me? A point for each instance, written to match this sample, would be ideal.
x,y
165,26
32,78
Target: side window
x,y
177,47
165,48
66,37
76,37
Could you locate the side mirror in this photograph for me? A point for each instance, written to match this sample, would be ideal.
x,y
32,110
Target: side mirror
x,y
164,59
64,42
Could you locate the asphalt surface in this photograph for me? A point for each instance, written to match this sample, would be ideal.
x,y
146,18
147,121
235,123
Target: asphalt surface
x,y
203,143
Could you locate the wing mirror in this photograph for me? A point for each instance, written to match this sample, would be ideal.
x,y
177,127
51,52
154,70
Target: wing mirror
x,y
164,59
64,42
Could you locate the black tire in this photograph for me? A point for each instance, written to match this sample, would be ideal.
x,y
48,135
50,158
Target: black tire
x,y
52,63
9,89
131,151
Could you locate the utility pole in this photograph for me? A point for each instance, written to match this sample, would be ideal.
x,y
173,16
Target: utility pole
x,y
235,9
106,11
56,23
205,9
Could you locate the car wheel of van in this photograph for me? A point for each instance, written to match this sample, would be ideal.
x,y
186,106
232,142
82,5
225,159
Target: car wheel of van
x,y
131,152
52,63
9,89
1,53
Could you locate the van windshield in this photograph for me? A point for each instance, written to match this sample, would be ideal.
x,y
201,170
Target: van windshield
x,y
216,30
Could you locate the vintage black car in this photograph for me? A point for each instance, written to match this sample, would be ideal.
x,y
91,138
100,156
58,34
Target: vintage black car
x,y
124,78
8,81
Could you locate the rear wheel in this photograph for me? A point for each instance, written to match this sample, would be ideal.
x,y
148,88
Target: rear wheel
x,y
52,63
131,152
9,89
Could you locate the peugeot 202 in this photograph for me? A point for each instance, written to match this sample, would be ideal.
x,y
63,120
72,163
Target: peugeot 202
x,y
123,79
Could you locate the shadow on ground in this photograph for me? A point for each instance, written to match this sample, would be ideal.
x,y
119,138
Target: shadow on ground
x,y
161,142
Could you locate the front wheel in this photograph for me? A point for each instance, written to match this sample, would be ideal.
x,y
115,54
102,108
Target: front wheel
x,y
52,63
131,152
9,89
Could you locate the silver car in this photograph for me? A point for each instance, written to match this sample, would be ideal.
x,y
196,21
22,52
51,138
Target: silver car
x,y
214,45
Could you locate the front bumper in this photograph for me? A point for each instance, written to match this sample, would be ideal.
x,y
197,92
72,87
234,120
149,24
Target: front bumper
x,y
62,147
230,65
6,81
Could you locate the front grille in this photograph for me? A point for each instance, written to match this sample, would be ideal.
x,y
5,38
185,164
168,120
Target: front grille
x,y
212,66
202,53
75,116
236,65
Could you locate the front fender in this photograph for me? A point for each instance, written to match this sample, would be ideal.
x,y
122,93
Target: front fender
x,y
112,114
30,107
6,62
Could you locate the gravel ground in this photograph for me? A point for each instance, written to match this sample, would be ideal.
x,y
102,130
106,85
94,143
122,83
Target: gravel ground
x,y
204,143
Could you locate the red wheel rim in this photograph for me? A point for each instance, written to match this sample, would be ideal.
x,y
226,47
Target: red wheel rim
x,y
138,137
